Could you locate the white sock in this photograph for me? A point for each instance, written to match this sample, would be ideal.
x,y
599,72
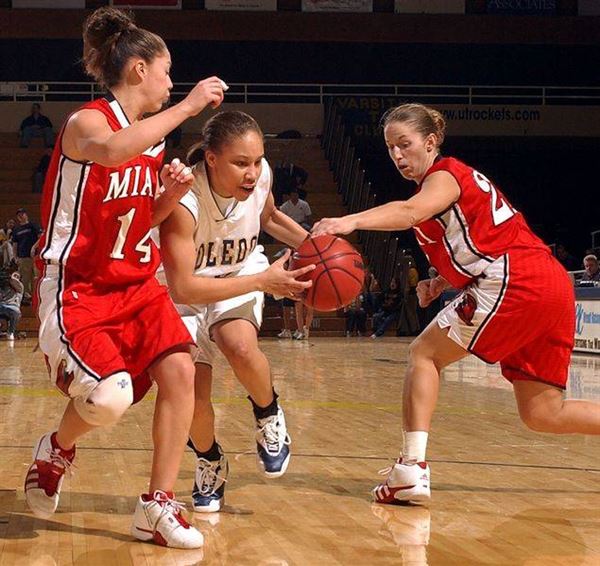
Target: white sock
x,y
415,446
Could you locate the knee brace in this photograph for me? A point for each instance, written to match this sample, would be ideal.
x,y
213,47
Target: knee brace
x,y
108,401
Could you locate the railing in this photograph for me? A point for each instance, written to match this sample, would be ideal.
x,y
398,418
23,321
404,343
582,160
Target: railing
x,y
381,248
44,91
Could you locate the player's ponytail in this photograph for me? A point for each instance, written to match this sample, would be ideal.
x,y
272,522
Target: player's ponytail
x,y
110,39
220,130
424,119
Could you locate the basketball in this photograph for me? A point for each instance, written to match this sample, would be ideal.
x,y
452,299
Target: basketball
x,y
339,273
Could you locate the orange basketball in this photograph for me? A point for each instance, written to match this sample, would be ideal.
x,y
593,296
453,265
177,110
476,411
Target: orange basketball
x,y
339,273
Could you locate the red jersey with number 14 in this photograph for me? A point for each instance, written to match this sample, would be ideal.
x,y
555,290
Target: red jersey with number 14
x,y
97,219
477,229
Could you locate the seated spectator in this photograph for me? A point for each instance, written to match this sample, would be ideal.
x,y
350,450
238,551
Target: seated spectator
x,y
389,312
298,210
356,317
7,254
592,270
39,173
287,177
565,258
11,295
36,125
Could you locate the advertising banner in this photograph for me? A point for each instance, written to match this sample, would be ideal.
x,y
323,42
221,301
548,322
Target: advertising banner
x,y
530,7
253,5
337,5
589,8
157,4
56,4
430,6
587,326
362,114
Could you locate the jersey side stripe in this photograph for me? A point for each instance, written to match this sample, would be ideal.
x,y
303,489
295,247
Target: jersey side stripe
x,y
55,206
488,318
460,217
84,174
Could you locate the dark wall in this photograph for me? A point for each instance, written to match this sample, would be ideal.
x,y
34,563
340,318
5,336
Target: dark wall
x,y
39,59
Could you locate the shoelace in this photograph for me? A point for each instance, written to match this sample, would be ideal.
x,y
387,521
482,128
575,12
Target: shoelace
x,y
170,506
60,465
271,433
208,476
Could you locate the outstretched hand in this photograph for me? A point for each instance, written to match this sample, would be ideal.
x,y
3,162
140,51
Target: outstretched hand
x,y
430,289
342,225
280,282
208,91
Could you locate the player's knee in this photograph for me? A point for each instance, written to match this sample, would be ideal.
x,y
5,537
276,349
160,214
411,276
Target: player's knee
x,y
178,381
108,401
538,420
239,353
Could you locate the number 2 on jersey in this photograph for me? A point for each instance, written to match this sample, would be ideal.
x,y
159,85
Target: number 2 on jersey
x,y
143,246
502,211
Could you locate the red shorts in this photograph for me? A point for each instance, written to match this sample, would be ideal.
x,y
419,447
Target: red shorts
x,y
524,318
100,334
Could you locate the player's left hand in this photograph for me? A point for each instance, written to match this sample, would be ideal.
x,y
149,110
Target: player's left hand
x,y
177,178
342,225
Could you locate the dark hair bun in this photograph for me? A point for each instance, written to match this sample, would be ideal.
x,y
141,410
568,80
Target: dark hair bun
x,y
105,24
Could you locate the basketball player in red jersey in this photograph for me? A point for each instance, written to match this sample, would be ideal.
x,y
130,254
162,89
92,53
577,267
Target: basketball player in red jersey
x,y
107,326
516,304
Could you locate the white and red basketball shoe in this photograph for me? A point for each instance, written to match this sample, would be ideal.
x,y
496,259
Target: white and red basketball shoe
x,y
158,517
45,476
405,483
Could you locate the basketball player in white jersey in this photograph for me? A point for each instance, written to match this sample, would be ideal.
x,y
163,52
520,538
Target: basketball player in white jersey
x,y
218,275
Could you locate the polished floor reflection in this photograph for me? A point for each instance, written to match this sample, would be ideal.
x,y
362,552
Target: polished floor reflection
x,y
502,494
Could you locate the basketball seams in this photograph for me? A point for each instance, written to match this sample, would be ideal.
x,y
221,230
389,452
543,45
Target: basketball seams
x,y
326,270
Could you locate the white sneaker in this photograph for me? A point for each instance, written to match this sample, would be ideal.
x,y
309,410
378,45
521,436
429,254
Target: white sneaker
x,y
45,476
305,333
160,520
297,335
285,333
273,445
405,482
10,337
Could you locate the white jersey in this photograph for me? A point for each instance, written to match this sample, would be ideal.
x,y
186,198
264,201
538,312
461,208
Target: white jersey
x,y
224,242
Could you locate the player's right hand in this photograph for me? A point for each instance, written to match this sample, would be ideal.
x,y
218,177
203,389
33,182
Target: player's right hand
x,y
430,289
209,91
280,282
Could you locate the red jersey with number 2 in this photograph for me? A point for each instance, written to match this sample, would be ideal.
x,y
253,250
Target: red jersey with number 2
x,y
477,229
97,219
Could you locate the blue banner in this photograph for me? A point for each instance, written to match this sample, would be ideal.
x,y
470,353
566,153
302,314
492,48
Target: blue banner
x,y
531,7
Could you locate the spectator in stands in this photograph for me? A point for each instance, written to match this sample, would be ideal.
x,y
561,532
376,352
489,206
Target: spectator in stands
x,y
372,292
7,253
11,295
356,317
24,236
565,258
298,210
286,177
389,312
39,173
409,322
36,125
592,271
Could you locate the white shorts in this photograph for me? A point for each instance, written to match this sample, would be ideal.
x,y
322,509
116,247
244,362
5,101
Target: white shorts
x,y
200,319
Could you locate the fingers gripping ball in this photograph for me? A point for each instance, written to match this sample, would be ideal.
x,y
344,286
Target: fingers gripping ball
x,y
339,273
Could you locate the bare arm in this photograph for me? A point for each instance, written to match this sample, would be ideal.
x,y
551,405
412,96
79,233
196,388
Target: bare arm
x,y
440,190
179,255
88,137
281,226
177,180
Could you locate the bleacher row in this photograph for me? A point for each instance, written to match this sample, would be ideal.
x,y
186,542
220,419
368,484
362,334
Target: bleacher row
x,y
16,166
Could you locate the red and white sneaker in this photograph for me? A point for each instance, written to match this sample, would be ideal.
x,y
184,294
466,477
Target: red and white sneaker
x,y
45,476
158,518
405,483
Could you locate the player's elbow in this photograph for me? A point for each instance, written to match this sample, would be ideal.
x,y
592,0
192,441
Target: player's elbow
x,y
410,215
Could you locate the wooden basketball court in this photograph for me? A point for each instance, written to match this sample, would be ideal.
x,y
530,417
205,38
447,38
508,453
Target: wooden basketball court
x,y
502,494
